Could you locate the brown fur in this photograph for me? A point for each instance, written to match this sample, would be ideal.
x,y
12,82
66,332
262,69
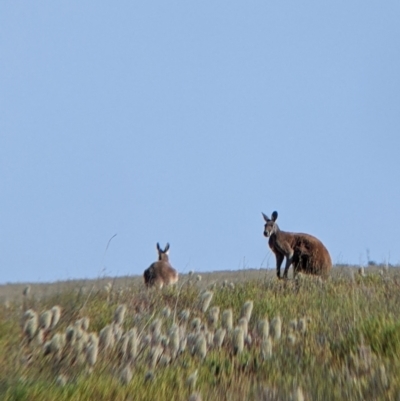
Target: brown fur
x,y
160,273
306,253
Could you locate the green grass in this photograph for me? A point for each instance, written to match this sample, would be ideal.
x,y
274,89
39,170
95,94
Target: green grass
x,y
349,351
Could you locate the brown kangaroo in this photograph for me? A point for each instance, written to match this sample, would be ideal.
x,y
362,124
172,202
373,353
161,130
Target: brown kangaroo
x,y
160,273
306,253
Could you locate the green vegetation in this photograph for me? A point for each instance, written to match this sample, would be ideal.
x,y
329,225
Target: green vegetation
x,y
298,339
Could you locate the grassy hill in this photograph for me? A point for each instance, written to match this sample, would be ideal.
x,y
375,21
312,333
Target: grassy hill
x,y
238,335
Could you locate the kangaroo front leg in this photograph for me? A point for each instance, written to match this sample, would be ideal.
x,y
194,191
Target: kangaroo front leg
x,y
289,261
279,260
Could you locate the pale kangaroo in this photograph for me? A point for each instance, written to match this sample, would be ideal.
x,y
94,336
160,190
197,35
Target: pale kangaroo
x,y
160,273
306,253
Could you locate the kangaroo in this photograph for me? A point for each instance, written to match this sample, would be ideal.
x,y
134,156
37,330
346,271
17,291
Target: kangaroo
x,y
160,273
306,253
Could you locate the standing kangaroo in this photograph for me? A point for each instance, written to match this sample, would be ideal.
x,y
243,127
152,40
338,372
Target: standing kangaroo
x,y
160,273
306,253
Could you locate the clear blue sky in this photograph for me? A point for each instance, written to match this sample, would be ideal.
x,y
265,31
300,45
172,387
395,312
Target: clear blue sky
x,y
182,121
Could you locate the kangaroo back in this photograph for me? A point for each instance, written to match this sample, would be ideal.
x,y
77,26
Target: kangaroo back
x,y
161,272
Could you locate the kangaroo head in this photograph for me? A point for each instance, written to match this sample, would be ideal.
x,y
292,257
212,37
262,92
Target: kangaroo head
x,y
163,253
270,226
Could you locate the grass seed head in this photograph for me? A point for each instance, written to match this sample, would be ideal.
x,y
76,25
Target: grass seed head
x,y
213,316
30,328
106,337
219,338
291,339
174,342
227,320
126,375
40,337
247,309
119,314
275,328
298,395
263,328
195,324
266,348
205,300
195,397
302,325
132,344
184,315
293,325
166,312
45,320
200,347
84,323
154,355
238,340
191,380
243,323
55,316
155,327
92,353
61,380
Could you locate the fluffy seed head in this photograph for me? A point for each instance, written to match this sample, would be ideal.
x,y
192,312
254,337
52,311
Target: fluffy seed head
x,y
196,324
155,327
275,329
174,341
191,380
45,320
126,375
165,360
40,337
106,337
195,397
119,314
166,312
57,343
213,316
263,328
302,325
61,380
205,300
247,309
55,316
293,325
291,339
200,347
298,395
30,327
184,315
70,335
154,355
227,319
266,348
84,323
219,338
92,353
243,323
238,340
132,344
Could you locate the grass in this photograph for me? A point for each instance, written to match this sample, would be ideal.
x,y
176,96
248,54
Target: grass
x,y
348,350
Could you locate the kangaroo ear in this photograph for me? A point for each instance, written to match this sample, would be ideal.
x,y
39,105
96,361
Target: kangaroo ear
x,y
158,247
274,216
266,218
166,247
